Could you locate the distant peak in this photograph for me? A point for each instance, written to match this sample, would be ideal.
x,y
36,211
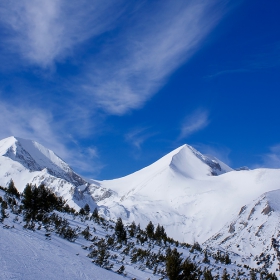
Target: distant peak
x,y
35,157
191,163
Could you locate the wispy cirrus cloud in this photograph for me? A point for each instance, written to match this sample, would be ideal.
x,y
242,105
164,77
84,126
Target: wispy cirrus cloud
x,y
147,52
46,31
138,136
122,71
35,124
194,122
27,122
224,72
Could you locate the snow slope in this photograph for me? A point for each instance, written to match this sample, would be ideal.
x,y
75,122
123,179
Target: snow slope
x,y
27,255
179,192
192,195
254,231
36,250
25,161
35,157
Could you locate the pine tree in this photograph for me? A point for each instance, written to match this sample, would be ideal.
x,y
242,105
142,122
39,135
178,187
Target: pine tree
x,y
225,275
132,229
196,246
173,264
27,197
12,190
3,214
227,259
102,257
253,275
150,230
138,228
39,200
86,233
189,270
4,205
87,209
158,232
82,211
95,215
206,260
120,230
28,203
271,276
121,270
208,275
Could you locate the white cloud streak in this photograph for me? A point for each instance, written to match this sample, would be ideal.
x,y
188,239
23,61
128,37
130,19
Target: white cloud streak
x,y
138,136
32,123
152,41
46,31
193,123
26,122
123,71
148,52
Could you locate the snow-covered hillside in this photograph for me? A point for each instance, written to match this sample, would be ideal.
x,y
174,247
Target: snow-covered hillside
x,y
27,255
254,232
195,197
35,157
59,243
25,161
180,192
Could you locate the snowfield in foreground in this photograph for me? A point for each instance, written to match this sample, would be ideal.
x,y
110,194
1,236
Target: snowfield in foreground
x,y
60,243
28,255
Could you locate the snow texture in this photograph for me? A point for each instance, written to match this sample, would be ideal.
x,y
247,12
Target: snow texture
x,y
179,192
26,255
195,197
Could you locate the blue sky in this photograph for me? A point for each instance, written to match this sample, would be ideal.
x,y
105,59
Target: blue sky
x,y
111,86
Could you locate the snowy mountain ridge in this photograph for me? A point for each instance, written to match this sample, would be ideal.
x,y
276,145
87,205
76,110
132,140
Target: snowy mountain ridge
x,y
36,157
217,167
179,192
26,161
195,197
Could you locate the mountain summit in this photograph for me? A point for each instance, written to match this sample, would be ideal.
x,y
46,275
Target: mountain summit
x,y
191,194
35,157
191,163
26,161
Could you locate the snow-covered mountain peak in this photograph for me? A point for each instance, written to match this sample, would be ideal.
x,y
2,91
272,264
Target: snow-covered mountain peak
x,y
7,144
28,152
182,163
193,164
177,191
35,157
